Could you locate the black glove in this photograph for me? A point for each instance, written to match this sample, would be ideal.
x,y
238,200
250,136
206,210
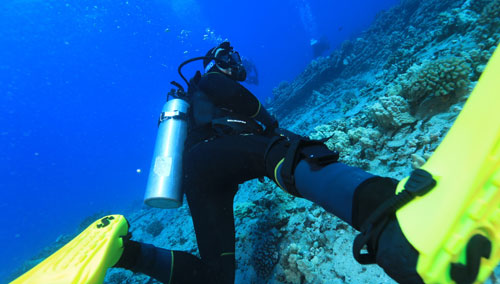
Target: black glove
x,y
269,121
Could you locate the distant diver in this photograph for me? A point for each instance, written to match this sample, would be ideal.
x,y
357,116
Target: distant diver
x,y
439,225
251,69
319,47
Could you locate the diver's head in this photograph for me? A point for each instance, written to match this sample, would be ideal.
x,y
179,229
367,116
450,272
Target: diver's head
x,y
226,61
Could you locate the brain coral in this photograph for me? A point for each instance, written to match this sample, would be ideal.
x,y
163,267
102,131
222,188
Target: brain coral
x,y
443,77
392,112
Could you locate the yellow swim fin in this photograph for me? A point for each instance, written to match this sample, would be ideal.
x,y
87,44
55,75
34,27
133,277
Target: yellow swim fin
x,y
86,258
456,226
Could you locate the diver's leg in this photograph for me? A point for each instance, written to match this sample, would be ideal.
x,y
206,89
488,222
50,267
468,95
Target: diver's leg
x,y
212,213
352,195
213,170
212,174
331,186
311,171
159,263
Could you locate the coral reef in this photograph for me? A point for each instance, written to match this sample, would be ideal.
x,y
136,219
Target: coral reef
x,y
155,227
392,112
443,77
265,257
489,15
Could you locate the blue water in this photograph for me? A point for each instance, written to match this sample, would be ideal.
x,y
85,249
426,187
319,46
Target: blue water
x,y
82,83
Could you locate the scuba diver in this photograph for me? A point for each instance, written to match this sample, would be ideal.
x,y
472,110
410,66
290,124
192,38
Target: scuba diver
x,y
439,225
319,47
251,70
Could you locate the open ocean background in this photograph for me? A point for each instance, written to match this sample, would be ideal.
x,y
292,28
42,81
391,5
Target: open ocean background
x,y
82,84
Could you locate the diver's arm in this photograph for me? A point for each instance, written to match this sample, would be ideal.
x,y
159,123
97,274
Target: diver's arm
x,y
226,93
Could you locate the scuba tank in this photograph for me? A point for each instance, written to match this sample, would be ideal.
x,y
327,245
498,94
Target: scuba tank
x,y
164,188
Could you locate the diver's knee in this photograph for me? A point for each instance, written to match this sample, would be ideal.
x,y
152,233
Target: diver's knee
x,y
284,155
